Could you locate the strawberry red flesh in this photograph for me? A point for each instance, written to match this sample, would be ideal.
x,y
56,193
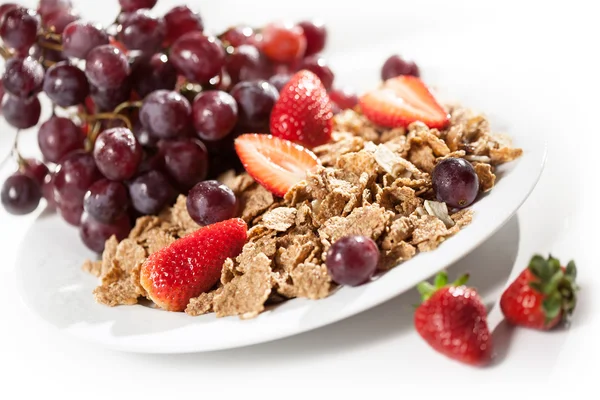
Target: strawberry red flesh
x,y
401,101
275,163
192,264
303,114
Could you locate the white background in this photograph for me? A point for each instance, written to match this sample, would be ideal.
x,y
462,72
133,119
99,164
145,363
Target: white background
x,y
547,52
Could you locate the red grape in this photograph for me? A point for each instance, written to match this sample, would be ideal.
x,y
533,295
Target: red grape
x,y
19,28
319,67
239,35
352,260
23,77
158,73
179,21
106,200
143,136
117,154
48,190
109,99
5,7
36,170
210,202
197,57
186,161
280,80
142,31
455,182
344,98
106,67
79,38
20,194
283,42
66,85
166,114
133,5
71,213
215,114
316,36
21,113
255,101
94,233
57,22
58,137
247,63
72,178
395,66
150,192
47,7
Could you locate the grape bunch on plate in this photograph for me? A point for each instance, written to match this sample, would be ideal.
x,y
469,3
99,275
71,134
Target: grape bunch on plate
x,y
144,109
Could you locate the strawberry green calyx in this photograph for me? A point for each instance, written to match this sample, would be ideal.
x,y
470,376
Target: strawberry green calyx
x,y
440,281
557,284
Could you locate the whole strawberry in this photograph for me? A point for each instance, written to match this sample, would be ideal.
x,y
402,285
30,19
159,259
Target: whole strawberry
x,y
542,296
303,112
453,320
192,264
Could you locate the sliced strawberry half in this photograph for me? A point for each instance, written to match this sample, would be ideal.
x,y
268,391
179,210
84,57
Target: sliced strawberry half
x,y
277,164
401,101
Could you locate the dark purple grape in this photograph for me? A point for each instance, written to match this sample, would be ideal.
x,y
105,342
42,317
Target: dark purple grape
x,y
94,233
47,7
210,202
23,77
166,114
316,36
186,161
214,114
280,80
20,194
71,213
142,31
5,7
21,113
106,200
157,73
150,192
179,21
344,98
395,66
455,182
35,169
247,63
66,85
73,177
133,5
109,99
255,101
197,57
57,22
19,28
58,137
317,65
238,36
48,190
352,260
79,38
106,67
143,136
117,154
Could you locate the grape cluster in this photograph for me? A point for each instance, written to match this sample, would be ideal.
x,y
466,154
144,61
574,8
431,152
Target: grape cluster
x,y
144,109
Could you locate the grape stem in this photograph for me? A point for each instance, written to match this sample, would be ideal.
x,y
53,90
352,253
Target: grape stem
x,y
105,116
50,46
127,104
15,151
5,53
52,36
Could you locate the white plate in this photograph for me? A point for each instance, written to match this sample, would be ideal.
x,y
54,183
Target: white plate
x,y
54,287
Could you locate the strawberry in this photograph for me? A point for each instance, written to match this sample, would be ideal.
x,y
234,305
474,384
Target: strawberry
x,y
192,264
401,101
452,319
542,296
277,164
303,112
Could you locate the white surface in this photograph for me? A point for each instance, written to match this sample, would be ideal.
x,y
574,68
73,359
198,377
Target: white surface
x,y
546,58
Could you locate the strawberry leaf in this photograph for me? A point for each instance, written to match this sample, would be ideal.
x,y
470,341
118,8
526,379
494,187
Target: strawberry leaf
x,y
537,286
571,270
426,290
537,265
441,280
552,307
